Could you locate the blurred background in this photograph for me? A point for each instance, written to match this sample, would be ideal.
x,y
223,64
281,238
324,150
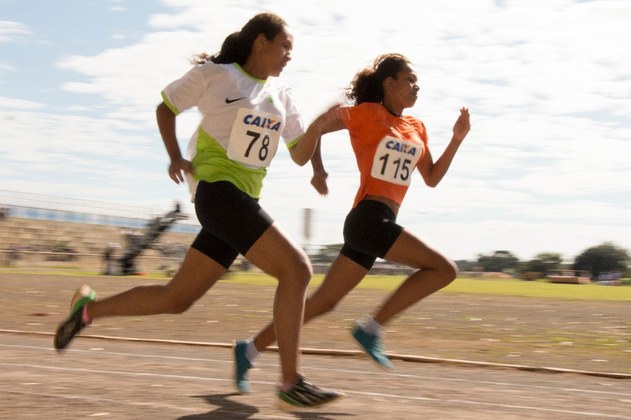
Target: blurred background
x,y
542,177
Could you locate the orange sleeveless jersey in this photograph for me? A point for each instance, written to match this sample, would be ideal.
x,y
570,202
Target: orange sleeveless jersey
x,y
387,149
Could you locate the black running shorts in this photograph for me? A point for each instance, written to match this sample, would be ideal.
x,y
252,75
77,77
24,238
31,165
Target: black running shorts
x,y
370,230
231,220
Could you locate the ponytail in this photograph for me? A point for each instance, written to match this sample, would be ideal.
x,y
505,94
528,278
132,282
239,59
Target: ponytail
x,y
237,46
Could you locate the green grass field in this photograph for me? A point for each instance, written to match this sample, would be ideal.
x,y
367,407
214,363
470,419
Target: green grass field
x,y
500,287
464,285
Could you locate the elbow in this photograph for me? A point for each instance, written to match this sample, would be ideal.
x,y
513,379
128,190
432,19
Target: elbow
x,y
432,180
300,162
298,156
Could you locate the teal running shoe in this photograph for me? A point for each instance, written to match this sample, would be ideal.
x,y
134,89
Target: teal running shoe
x,y
241,366
372,346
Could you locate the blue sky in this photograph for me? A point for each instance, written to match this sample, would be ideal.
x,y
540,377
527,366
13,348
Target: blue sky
x,y
546,167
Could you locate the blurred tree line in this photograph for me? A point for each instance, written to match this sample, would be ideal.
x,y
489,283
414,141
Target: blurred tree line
x,y
597,260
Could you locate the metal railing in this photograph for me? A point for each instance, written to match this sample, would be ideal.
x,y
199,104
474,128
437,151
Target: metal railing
x,y
43,207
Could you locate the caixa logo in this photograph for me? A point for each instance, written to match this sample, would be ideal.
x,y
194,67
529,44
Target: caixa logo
x,y
262,122
407,149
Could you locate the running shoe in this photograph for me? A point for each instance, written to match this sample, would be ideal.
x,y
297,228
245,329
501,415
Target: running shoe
x,y
74,323
371,344
241,366
305,394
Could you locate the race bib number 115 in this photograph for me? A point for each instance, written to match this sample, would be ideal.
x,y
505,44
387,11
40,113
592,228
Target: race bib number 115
x,y
254,137
395,160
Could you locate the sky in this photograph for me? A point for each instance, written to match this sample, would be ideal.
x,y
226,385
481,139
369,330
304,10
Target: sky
x,y
546,166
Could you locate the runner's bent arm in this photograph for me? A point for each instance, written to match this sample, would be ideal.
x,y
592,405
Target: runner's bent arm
x,y
166,124
318,180
433,172
327,122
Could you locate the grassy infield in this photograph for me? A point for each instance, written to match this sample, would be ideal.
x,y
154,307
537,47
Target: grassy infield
x,y
467,285
500,287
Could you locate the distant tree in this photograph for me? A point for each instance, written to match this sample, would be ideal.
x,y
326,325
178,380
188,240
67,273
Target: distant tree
x,y
539,266
544,262
602,259
498,261
465,265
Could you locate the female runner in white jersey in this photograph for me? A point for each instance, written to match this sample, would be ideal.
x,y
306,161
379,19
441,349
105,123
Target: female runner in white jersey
x,y
245,113
388,147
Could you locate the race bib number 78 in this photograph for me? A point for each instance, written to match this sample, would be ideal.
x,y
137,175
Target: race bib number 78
x,y
395,160
254,137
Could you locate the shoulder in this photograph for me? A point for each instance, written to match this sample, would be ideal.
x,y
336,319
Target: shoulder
x,y
366,109
370,107
362,116
414,121
212,69
281,88
418,125
283,92
204,73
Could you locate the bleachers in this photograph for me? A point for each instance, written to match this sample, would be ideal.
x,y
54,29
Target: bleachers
x,y
36,240
39,230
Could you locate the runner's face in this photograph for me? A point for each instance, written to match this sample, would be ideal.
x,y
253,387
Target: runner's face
x,y
278,52
405,87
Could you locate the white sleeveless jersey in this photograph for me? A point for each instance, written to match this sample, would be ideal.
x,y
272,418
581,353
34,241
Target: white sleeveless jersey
x,y
243,120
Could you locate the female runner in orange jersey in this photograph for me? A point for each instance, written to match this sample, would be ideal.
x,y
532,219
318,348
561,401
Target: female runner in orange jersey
x,y
388,147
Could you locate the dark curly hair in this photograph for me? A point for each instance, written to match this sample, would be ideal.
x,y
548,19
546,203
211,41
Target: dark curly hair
x,y
367,86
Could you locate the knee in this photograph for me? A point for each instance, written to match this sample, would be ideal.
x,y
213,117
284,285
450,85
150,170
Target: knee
x,y
175,303
450,270
178,305
304,271
299,271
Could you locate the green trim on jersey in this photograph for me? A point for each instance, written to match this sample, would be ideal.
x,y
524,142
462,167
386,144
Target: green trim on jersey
x,y
211,164
169,104
294,142
249,76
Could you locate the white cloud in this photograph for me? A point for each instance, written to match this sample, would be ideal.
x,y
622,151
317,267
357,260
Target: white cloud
x,y
19,104
548,84
12,31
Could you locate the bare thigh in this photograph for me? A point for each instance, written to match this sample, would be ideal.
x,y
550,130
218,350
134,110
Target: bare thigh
x,y
277,255
342,277
414,252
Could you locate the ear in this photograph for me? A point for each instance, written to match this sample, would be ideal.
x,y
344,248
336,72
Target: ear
x,y
259,43
260,39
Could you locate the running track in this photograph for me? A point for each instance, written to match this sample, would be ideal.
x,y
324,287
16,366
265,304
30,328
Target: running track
x,y
101,378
